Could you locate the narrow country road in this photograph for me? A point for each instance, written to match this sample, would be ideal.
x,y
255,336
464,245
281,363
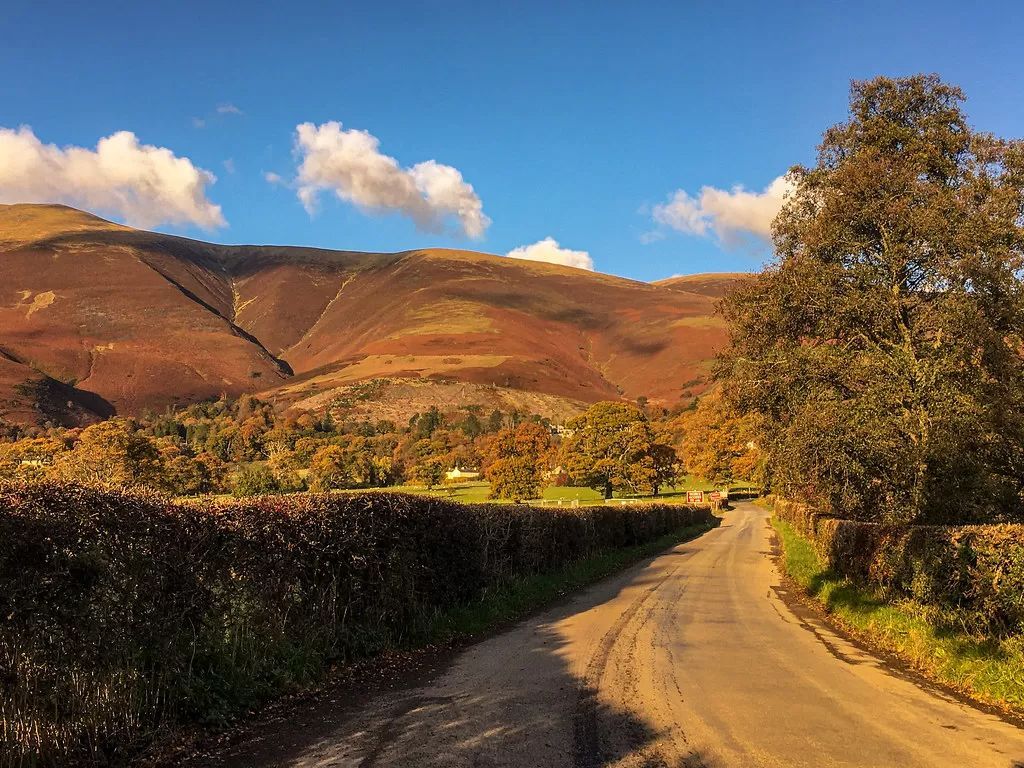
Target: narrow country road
x,y
690,659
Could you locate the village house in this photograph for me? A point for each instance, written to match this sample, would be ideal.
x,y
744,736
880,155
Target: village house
x,y
461,474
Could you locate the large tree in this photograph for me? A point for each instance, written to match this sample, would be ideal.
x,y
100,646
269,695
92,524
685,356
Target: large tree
x,y
883,345
719,444
112,452
613,448
517,460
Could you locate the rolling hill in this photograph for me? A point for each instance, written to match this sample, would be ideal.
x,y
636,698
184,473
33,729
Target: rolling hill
x,y
97,318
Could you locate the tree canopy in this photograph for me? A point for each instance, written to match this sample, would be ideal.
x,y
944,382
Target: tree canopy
x,y
613,448
882,347
719,444
517,460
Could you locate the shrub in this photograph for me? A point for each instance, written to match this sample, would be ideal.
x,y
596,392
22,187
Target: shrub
x,y
254,480
125,613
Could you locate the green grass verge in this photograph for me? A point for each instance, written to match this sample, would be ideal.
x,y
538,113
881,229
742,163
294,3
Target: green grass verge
x,y
525,595
989,669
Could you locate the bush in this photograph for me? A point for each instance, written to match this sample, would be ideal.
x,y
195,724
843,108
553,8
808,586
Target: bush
x,y
974,574
254,480
125,613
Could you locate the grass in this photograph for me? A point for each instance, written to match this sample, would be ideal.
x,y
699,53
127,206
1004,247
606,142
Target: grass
x,y
476,492
989,669
525,595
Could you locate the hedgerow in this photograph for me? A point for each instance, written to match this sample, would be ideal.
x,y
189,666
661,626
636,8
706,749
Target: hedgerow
x,y
973,575
124,614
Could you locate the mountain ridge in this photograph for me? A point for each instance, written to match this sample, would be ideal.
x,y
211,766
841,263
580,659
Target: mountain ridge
x,y
143,320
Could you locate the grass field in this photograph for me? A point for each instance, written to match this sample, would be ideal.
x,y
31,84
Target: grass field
x,y
989,669
478,491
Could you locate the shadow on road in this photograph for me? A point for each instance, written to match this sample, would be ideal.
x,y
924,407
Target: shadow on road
x,y
510,700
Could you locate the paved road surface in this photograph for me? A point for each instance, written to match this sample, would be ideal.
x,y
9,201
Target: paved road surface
x,y
690,659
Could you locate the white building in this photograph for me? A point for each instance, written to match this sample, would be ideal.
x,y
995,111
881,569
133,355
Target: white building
x,y
461,474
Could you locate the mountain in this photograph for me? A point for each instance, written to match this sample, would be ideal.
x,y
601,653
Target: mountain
x,y
715,285
97,318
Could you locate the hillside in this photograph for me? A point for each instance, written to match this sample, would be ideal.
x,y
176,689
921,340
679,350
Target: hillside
x,y
714,285
126,320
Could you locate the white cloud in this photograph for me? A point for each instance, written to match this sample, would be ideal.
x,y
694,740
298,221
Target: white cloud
x,y
198,122
728,214
143,184
273,178
228,109
229,165
550,251
350,164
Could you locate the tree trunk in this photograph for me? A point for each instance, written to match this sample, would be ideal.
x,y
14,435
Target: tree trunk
x,y
607,489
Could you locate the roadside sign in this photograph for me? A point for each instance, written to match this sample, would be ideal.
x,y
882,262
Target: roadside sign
x,y
714,495
695,497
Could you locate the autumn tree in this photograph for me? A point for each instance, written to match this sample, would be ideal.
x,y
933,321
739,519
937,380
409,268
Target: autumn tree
x,y
613,448
517,460
428,471
330,469
665,466
883,344
253,480
183,474
29,458
719,444
112,452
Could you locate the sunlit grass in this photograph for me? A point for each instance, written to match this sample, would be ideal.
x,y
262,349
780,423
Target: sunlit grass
x,y
475,492
990,669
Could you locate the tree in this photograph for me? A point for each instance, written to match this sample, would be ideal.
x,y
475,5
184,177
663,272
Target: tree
x,y
471,426
495,421
425,423
883,345
665,463
112,452
29,458
517,461
719,444
182,473
612,448
429,471
330,469
253,480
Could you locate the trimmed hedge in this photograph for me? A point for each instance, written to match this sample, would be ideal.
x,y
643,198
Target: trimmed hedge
x,y
124,614
972,574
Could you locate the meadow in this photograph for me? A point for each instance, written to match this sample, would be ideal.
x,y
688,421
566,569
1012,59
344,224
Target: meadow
x,y
476,492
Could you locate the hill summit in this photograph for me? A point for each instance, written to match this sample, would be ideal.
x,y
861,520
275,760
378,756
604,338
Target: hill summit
x,y
98,318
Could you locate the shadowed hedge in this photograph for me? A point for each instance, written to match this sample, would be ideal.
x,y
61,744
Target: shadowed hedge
x,y
973,575
124,614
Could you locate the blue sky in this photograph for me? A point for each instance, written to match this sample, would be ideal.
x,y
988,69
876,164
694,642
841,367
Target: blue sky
x,y
570,120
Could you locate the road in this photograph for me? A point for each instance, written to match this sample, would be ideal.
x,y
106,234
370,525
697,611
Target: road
x,y
693,658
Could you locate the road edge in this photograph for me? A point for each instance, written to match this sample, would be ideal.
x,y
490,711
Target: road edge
x,y
351,686
799,601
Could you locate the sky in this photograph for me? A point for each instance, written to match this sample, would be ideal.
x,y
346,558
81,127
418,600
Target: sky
x,y
642,139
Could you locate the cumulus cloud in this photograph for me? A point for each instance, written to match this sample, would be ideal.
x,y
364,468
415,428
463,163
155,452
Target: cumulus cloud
x,y
727,214
228,109
350,164
143,184
550,251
